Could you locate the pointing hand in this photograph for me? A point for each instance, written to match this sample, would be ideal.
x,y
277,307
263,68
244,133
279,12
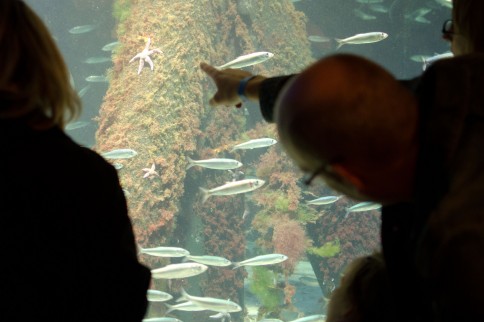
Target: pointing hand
x,y
227,82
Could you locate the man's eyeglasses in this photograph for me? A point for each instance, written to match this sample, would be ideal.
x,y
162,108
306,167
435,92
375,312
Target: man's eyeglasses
x,y
448,30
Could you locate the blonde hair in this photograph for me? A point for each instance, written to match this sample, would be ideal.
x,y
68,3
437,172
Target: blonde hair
x,y
34,80
468,15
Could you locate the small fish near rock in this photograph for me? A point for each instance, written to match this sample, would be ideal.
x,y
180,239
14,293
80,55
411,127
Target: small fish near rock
x,y
247,60
120,154
358,39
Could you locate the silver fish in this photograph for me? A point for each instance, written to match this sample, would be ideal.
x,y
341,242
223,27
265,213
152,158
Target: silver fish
x,y
82,29
158,296
185,306
422,19
97,79
162,319
76,125
419,15
120,154
316,38
210,260
221,315
111,46
376,7
97,60
311,318
118,166
365,38
210,303
256,143
445,3
419,58
248,60
165,251
217,164
309,281
83,90
363,15
364,206
268,259
324,200
181,270
232,188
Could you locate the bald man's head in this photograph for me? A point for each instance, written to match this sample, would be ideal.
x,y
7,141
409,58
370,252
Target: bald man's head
x,y
347,110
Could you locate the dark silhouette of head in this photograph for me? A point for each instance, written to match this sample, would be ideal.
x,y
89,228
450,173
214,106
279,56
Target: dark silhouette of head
x,y
348,120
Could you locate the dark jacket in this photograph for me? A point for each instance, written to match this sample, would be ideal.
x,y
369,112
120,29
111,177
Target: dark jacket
x,y
434,246
444,239
67,244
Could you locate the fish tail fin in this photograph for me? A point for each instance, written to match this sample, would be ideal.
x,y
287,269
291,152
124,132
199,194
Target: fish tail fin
x,y
205,194
170,308
236,265
190,163
139,249
340,43
184,296
347,213
425,63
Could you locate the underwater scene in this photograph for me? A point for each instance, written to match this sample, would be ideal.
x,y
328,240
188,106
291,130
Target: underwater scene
x,y
221,215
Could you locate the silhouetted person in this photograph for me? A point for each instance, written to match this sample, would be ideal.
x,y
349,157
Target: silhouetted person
x,y
431,181
67,245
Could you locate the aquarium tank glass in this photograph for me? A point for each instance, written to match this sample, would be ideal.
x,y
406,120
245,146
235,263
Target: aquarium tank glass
x,y
211,186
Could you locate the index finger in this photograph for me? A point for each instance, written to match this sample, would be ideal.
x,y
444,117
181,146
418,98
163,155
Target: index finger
x,y
210,70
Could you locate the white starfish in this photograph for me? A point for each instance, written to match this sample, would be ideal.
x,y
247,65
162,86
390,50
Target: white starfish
x,y
145,55
151,171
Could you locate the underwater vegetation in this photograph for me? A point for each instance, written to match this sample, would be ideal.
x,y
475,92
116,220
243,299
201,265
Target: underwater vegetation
x,y
163,115
262,285
338,239
329,249
289,238
121,11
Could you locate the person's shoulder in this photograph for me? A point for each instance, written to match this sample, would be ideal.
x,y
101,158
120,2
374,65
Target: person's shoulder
x,y
473,62
457,80
67,153
463,59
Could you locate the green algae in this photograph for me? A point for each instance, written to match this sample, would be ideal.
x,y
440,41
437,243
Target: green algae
x,y
262,286
329,249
